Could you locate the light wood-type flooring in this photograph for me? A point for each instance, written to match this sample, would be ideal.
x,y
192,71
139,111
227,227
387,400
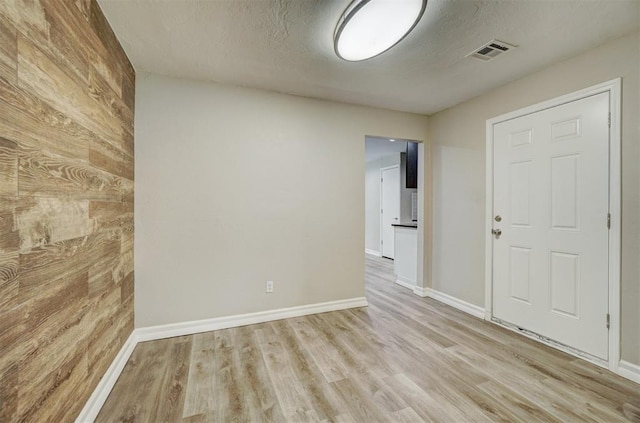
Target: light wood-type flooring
x,y
402,359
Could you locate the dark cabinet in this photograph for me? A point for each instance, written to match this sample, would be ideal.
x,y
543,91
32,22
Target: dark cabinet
x,y
412,165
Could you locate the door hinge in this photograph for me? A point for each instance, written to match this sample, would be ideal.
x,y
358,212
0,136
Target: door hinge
x,y
381,179
608,320
609,120
608,220
381,241
381,211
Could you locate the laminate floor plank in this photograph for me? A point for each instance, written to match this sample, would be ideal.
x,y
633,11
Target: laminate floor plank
x,y
261,399
342,418
438,358
430,406
362,407
371,354
228,399
325,356
323,400
295,404
402,359
145,372
406,415
199,395
518,382
173,388
359,370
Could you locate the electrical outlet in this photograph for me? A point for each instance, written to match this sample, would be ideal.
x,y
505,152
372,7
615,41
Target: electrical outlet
x,y
269,287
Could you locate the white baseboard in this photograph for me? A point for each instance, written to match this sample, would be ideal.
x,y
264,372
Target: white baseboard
x,y
405,283
206,325
420,291
454,302
373,252
99,396
629,370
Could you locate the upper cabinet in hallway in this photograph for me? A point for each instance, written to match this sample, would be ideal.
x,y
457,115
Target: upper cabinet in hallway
x,y
411,169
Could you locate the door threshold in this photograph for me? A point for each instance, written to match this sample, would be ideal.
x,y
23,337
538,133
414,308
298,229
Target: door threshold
x,y
551,343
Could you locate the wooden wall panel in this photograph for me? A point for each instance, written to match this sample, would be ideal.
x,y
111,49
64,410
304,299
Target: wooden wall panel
x,y
66,205
27,118
8,167
8,52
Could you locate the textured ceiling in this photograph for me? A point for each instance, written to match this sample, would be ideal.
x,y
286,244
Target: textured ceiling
x,y
287,46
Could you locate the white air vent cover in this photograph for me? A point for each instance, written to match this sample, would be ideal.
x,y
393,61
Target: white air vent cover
x,y
491,50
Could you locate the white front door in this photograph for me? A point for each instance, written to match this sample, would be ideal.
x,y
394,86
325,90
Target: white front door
x,y
550,264
390,210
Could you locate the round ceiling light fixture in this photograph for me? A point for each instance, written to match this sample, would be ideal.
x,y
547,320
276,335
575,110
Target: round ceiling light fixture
x,y
368,28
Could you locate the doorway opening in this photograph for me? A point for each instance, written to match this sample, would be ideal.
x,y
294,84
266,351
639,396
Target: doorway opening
x,y
394,195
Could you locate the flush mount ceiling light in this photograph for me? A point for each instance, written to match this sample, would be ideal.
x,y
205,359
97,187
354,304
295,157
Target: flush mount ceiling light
x,y
368,28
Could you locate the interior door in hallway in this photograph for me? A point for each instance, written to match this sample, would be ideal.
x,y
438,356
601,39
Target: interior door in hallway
x,y
390,208
551,203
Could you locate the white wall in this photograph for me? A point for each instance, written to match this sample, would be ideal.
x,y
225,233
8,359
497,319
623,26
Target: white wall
x,y
457,136
237,186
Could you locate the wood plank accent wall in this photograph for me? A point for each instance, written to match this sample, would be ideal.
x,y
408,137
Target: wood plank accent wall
x,y
66,205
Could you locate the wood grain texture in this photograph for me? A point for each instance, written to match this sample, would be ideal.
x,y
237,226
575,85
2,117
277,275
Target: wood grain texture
x,y
8,52
402,359
27,118
45,174
8,167
66,213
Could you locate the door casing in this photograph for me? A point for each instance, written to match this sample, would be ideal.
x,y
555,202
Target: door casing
x,y
615,184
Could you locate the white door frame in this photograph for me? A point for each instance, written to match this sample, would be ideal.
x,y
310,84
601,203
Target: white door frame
x,y
381,223
615,184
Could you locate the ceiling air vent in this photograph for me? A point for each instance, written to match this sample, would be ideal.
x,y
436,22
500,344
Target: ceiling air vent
x,y
491,50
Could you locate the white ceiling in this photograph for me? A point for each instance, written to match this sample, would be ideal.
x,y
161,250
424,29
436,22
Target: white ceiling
x,y
376,147
287,46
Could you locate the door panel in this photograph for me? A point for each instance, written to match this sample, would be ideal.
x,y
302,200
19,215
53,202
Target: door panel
x,y
519,196
565,283
390,200
550,269
565,189
520,274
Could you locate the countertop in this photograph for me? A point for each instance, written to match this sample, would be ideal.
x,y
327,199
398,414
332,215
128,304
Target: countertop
x,y
406,224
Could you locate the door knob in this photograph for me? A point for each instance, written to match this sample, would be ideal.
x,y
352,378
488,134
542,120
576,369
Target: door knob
x,y
496,233
498,218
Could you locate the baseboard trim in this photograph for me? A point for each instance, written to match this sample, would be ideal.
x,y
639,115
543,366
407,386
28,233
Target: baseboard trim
x,y
420,291
188,328
629,370
95,402
454,302
373,252
405,283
